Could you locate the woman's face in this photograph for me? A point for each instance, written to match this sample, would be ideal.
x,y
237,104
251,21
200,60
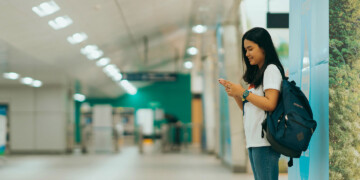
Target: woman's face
x,y
254,53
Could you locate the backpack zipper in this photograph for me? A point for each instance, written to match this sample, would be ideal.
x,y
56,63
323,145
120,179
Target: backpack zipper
x,y
312,131
279,120
285,129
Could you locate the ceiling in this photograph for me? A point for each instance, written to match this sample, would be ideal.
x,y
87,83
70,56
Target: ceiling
x,y
30,47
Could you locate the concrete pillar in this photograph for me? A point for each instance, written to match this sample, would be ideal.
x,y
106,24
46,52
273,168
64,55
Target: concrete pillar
x,y
234,71
210,82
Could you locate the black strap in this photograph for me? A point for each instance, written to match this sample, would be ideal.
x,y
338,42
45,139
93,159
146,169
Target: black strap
x,y
244,106
290,163
282,75
264,125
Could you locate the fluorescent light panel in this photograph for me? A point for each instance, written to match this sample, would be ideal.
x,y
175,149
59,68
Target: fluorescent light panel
x,y
103,62
88,49
128,87
111,69
11,75
77,38
46,8
113,72
79,97
116,77
60,22
92,52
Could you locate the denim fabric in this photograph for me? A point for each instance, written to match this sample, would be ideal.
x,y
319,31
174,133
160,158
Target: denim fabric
x,y
264,163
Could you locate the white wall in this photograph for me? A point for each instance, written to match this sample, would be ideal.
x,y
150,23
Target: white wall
x,y
38,117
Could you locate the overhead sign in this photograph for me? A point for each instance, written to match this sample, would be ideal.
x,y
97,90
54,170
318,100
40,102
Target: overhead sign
x,y
277,20
149,76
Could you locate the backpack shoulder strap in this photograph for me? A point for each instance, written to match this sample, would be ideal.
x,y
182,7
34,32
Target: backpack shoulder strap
x,y
290,163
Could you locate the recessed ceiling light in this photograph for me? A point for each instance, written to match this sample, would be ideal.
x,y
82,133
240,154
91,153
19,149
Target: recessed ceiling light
x,y
111,68
95,54
46,8
103,62
36,83
188,64
77,38
192,51
26,80
88,49
199,29
60,22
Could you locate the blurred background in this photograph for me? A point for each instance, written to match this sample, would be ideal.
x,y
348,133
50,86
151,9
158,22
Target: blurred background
x,y
127,89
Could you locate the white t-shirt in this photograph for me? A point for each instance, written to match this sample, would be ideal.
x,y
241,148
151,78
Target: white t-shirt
x,y
254,116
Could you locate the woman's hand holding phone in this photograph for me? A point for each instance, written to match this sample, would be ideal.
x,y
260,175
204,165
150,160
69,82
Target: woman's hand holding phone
x,y
233,90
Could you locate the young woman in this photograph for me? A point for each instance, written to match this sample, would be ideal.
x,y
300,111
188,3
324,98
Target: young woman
x,y
264,74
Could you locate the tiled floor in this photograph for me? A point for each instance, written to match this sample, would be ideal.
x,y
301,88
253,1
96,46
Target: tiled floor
x,y
127,165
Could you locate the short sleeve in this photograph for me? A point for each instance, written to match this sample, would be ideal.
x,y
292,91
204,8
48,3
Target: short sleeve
x,y
272,78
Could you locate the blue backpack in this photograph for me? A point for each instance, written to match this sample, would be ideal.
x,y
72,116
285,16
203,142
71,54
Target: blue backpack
x,y
290,126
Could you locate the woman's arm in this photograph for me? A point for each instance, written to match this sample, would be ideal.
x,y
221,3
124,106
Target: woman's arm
x,y
239,102
267,103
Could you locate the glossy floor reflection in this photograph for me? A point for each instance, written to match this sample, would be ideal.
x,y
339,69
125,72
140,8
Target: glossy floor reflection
x,y
126,165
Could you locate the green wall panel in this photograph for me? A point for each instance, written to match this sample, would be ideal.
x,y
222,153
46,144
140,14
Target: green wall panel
x,y
174,97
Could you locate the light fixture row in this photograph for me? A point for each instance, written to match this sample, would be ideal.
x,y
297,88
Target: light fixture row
x,y
25,80
199,29
92,52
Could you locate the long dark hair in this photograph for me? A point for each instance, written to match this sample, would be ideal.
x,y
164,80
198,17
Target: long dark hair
x,y
260,36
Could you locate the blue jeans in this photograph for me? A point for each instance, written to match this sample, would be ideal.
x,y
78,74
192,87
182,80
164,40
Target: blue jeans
x,y
264,163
